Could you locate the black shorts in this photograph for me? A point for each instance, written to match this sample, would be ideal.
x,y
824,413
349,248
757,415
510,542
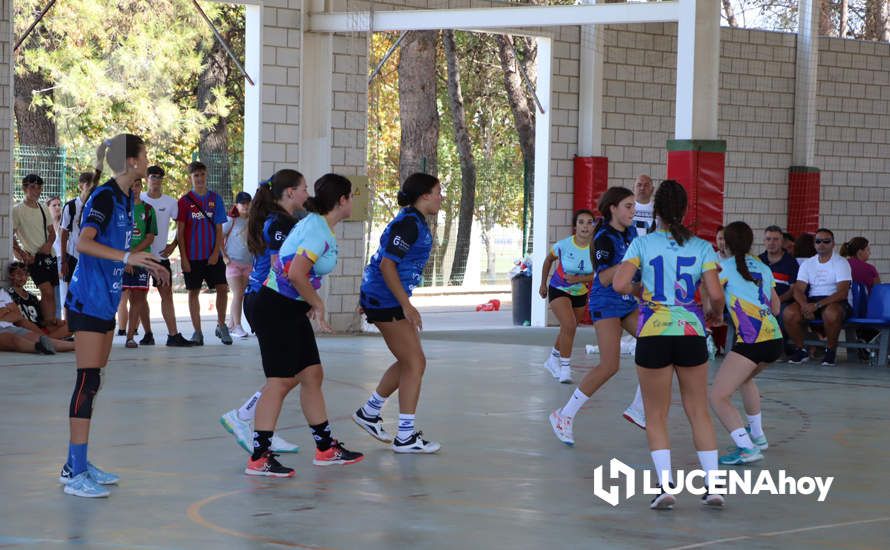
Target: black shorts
x,y
72,263
81,322
384,314
848,309
45,269
202,271
247,308
287,341
137,280
577,301
166,265
761,352
656,352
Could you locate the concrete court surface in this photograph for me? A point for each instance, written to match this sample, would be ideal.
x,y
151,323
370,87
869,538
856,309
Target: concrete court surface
x,y
502,480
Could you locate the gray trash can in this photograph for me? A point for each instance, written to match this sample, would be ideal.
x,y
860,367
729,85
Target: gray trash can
x,y
522,299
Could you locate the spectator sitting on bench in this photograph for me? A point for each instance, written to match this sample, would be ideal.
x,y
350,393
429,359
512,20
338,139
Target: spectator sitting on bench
x,y
30,306
784,268
857,252
13,338
788,242
821,292
804,247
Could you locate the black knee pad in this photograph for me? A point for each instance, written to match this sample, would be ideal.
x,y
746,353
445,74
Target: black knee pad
x,y
87,385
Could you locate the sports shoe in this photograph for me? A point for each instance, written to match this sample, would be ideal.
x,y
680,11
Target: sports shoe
x,y
565,374
44,345
267,465
635,416
82,485
198,339
552,365
99,476
148,340
239,428
663,501
131,344
239,332
222,332
562,427
741,456
121,332
712,500
336,454
799,356
761,441
829,359
281,445
415,444
373,426
178,341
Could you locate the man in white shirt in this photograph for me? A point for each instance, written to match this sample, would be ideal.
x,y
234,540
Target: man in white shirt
x,y
70,227
821,292
644,217
166,209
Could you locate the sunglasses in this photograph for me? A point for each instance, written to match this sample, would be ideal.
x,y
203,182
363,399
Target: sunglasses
x,y
822,241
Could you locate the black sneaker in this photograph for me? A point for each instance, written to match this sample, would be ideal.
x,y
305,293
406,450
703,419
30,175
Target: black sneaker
x,y
799,356
663,501
121,332
712,501
828,360
372,425
148,340
266,465
198,339
44,346
336,454
178,341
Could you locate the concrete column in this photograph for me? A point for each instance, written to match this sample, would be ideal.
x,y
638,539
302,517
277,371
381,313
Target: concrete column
x,y
590,90
316,99
540,208
253,97
6,136
698,69
805,84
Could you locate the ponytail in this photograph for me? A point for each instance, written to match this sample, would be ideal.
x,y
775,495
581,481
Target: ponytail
x,y
852,247
265,203
670,207
329,189
739,237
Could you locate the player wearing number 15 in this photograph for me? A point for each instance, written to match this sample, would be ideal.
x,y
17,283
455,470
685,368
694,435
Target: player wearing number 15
x,y
671,331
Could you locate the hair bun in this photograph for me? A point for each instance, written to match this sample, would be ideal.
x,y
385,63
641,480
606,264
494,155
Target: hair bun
x,y
403,198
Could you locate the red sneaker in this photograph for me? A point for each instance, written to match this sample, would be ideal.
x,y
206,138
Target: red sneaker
x,y
267,465
336,454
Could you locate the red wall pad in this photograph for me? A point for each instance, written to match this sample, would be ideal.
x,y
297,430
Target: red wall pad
x,y
591,181
699,166
803,200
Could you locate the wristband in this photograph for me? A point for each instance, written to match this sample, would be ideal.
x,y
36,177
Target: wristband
x,y
126,257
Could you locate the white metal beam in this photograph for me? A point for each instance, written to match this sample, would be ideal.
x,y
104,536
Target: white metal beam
x,y
493,18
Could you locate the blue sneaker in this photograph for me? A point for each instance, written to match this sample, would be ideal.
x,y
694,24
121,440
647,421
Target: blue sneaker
x,y
99,476
761,441
741,456
82,485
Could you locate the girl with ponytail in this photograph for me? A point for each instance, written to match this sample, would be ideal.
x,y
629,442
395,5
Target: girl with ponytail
x,y
394,271
671,331
271,215
753,304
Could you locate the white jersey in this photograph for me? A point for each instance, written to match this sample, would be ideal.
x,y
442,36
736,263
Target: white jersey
x,y
166,208
644,218
71,223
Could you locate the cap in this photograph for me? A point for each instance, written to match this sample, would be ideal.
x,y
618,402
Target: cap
x,y
242,197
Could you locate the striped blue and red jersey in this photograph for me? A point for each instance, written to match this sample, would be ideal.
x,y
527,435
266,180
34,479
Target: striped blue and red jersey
x,y
200,232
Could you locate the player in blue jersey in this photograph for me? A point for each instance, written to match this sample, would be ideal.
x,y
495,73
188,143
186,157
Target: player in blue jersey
x,y
270,219
568,289
282,313
612,313
93,297
671,332
388,281
753,303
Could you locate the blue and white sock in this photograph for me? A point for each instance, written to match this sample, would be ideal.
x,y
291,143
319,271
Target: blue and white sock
x,y
248,409
406,426
554,353
372,408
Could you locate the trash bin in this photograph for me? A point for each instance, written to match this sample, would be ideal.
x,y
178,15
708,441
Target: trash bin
x,y
522,299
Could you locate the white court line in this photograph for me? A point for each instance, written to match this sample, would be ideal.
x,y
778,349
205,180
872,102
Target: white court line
x,y
777,533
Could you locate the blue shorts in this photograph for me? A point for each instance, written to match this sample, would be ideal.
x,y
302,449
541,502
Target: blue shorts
x,y
610,309
138,280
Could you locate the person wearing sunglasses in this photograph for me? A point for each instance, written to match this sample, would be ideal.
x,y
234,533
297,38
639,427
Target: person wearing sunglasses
x,y
821,292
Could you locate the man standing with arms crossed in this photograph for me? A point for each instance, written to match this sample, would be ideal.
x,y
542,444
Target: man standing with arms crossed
x,y
33,238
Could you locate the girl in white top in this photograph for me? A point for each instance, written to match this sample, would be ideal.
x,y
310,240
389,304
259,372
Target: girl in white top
x,y
239,260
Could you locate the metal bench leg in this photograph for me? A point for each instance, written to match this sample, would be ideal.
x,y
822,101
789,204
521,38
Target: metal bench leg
x,y
883,347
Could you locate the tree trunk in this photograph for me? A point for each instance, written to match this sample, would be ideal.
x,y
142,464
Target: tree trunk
x,y
729,13
467,164
876,20
826,28
32,122
489,254
213,144
845,19
417,104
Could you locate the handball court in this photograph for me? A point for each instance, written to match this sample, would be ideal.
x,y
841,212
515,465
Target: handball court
x,y
501,480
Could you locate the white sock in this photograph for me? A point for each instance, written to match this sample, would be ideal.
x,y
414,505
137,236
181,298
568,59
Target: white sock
x,y
554,353
756,423
372,407
741,439
406,426
638,400
248,409
576,401
708,461
662,460
565,362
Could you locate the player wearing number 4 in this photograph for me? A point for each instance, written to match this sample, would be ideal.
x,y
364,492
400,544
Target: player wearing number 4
x,y
567,290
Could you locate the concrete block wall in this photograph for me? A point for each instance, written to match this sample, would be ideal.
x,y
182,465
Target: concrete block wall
x,y
6,137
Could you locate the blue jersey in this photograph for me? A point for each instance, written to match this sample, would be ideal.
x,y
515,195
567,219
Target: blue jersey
x,y
749,303
406,241
671,273
311,238
609,246
275,229
95,288
573,260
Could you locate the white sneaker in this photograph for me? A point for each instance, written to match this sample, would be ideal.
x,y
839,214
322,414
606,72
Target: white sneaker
x,y
415,444
373,426
82,485
239,428
635,416
239,332
281,445
562,427
714,501
565,374
552,365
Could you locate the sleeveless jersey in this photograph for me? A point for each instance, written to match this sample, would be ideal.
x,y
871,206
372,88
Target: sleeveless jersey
x,y
573,260
312,238
749,303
